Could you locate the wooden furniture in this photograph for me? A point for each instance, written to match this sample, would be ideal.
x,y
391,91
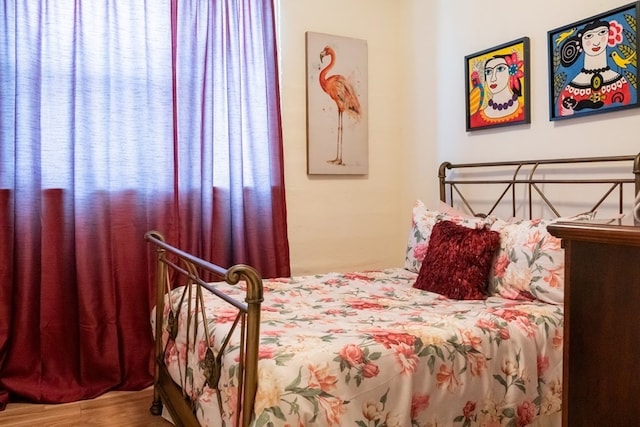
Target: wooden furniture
x,y
601,361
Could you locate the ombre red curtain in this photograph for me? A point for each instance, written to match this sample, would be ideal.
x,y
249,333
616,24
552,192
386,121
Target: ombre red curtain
x,y
118,117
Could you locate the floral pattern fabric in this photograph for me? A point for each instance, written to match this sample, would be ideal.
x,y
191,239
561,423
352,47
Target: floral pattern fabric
x,y
368,349
530,261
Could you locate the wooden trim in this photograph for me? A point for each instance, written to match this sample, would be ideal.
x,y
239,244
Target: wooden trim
x,y
596,233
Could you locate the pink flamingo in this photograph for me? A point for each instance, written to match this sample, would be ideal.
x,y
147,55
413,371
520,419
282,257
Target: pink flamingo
x,y
342,93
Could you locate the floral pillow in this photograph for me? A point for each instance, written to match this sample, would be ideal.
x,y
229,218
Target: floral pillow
x,y
450,210
458,261
530,261
422,223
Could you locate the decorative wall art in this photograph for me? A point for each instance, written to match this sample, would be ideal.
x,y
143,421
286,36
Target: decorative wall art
x,y
337,113
497,86
593,64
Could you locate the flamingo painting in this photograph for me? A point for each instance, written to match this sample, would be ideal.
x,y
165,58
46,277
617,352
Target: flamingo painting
x,y
342,93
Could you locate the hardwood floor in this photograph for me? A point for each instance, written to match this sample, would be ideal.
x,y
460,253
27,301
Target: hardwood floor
x,y
113,409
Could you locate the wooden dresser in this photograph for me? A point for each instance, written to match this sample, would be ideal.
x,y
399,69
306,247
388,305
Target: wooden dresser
x,y
601,377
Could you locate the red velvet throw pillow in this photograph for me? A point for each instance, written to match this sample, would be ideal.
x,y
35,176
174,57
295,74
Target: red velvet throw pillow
x,y
458,261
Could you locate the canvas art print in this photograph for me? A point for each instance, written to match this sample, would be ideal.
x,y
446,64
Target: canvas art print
x,y
497,86
337,115
593,64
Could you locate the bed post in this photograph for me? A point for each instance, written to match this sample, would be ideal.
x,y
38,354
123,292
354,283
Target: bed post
x,y
442,177
161,267
636,172
254,300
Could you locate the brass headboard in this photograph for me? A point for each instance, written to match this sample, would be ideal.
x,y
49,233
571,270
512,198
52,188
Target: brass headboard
x,y
512,175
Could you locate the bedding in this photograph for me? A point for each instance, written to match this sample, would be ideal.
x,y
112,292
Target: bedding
x,y
463,340
369,349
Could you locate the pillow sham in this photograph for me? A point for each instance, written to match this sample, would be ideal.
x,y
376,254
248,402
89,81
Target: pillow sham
x,y
530,262
422,222
450,210
458,261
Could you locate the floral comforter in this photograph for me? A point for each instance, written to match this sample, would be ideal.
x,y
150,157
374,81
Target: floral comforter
x,y
367,349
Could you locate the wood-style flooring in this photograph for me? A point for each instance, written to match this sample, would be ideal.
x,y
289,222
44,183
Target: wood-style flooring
x,y
113,409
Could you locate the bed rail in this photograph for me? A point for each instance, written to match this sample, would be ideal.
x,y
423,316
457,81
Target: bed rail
x,y
175,267
532,174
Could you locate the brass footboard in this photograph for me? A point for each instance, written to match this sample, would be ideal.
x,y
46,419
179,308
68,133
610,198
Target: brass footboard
x,y
177,268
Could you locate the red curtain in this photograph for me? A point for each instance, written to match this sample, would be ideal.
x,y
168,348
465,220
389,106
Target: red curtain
x,y
118,118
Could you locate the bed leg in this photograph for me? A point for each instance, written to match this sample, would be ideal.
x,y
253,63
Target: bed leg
x,y
156,405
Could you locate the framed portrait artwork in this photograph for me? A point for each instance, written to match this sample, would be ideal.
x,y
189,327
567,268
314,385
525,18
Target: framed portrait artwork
x,y
337,110
497,86
593,65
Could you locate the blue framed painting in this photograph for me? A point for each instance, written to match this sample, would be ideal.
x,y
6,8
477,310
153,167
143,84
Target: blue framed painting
x,y
593,65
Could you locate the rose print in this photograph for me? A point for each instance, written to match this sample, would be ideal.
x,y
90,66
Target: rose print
x,y
352,354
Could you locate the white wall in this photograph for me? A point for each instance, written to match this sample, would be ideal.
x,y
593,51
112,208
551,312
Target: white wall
x,y
416,105
345,222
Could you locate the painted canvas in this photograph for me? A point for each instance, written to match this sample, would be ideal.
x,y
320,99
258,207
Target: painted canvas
x,y
497,86
593,64
337,115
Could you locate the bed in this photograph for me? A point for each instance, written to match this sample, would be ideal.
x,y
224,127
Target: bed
x,y
467,332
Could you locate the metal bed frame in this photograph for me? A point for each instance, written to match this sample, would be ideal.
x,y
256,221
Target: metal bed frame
x,y
175,268
533,181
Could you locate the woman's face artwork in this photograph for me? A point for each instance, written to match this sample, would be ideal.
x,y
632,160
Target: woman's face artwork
x,y
496,74
594,42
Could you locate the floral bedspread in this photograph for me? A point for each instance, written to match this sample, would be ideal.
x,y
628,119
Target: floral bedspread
x,y
367,349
